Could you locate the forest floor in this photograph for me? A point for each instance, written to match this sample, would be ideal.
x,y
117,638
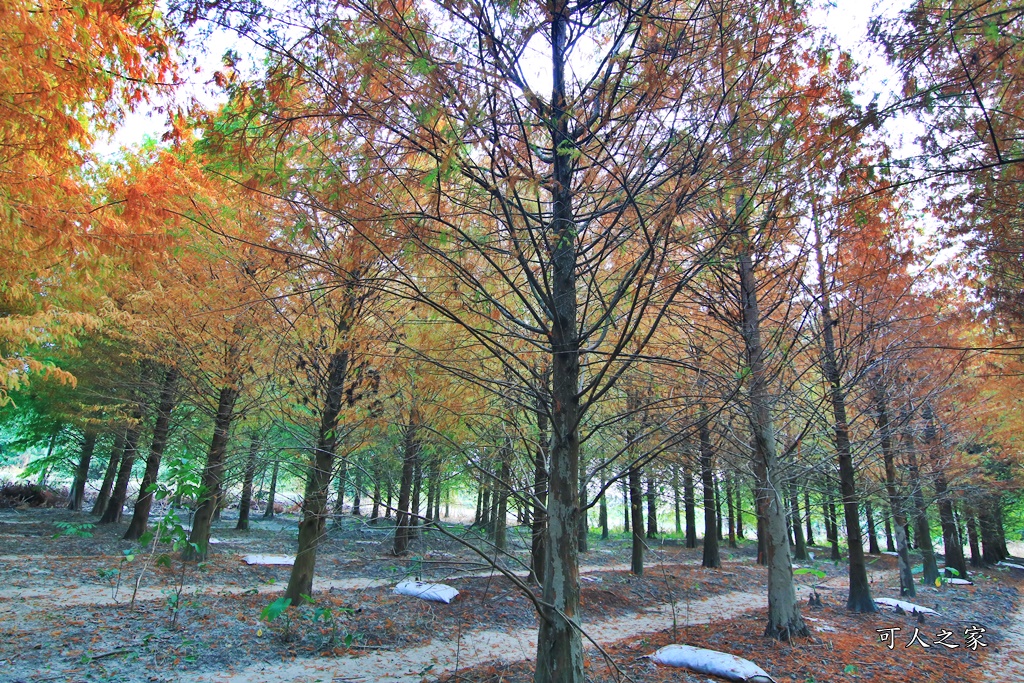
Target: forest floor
x,y
67,613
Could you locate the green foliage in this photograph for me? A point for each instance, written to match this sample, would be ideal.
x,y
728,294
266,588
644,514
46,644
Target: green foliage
x,y
807,570
83,530
275,609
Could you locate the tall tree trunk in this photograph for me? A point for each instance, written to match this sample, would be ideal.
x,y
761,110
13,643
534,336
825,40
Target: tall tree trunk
x,y
800,552
636,513
339,499
784,620
896,500
710,557
485,509
82,472
807,522
716,479
652,507
833,527
478,513
116,453
953,546
272,494
602,512
731,510
161,430
676,500
1001,531
501,509
213,477
375,512
582,540
859,599
539,526
118,495
890,544
738,490
245,504
922,528
318,481
991,548
972,537
431,492
690,507
873,548
411,455
357,493
417,489
762,534
625,505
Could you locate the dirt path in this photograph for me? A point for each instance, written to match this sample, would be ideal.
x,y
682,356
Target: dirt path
x,y
1007,663
410,665
98,594
103,595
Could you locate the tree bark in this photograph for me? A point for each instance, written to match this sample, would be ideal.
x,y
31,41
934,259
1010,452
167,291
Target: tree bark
x,y
115,506
731,511
807,522
272,494
245,504
213,477
952,544
82,472
833,527
636,514
582,541
896,500
539,523
972,537
318,481
559,644
403,526
991,548
922,528
652,507
890,544
161,430
690,507
873,548
413,521
710,556
800,552
859,599
677,499
784,620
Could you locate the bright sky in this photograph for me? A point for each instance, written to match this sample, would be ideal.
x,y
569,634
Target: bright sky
x,y
847,20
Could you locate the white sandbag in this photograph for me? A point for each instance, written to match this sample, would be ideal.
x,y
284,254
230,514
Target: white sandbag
x,y
283,560
891,553
907,606
960,582
435,592
711,662
1011,565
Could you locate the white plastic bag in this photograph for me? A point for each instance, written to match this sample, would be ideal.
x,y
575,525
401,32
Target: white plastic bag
x,y
711,662
283,560
435,592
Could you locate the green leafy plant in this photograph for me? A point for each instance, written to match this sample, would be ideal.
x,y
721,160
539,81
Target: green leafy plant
x,y
113,576
276,609
83,530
